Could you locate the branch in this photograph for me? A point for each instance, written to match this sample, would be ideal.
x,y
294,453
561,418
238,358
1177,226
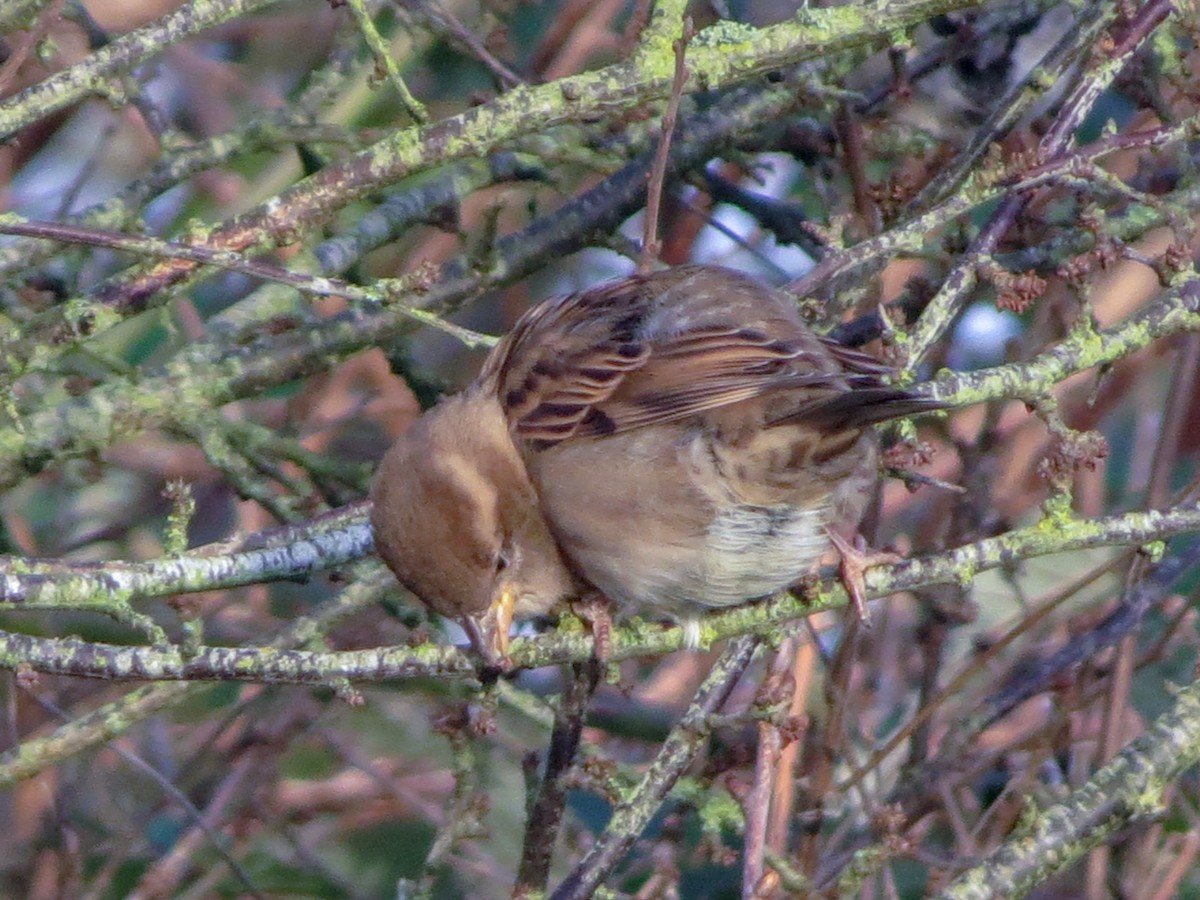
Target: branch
x,y
541,828
1177,310
678,751
721,55
93,75
70,656
116,718
26,584
1128,789
209,373
958,286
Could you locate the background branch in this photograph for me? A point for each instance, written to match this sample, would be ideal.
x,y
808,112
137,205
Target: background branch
x,y
243,245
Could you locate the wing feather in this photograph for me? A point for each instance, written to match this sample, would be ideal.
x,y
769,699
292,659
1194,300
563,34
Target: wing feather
x,y
616,358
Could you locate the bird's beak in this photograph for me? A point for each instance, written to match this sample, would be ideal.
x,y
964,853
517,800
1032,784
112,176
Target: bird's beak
x,y
489,632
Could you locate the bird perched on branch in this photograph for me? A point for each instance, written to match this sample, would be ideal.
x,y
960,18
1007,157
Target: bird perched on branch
x,y
678,442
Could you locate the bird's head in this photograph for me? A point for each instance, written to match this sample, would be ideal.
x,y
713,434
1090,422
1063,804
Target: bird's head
x,y
457,519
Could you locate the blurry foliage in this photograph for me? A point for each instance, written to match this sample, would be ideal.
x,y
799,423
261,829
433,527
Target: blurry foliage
x,y
125,372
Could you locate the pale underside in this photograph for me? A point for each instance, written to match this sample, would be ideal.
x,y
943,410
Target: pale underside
x,y
689,542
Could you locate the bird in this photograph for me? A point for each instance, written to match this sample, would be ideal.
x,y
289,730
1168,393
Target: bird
x,y
674,441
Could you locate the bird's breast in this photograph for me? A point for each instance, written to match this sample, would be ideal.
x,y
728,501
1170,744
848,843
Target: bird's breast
x,y
753,551
653,520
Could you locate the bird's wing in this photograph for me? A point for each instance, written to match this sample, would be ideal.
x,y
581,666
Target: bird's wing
x,y
608,360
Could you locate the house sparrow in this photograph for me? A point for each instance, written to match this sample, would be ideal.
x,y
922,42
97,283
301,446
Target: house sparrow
x,y
677,441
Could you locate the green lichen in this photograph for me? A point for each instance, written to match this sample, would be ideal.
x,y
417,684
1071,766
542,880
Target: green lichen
x,y
727,36
1058,515
719,810
183,507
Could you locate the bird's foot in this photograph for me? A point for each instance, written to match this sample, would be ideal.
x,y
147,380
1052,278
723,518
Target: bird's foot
x,y
856,558
595,611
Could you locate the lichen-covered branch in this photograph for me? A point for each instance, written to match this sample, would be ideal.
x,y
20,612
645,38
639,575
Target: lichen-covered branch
x,y
1176,311
96,75
68,656
675,755
719,57
946,304
228,232
25,585
1130,788
119,716
209,373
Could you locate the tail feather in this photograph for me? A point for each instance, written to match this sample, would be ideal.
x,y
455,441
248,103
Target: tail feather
x,y
861,407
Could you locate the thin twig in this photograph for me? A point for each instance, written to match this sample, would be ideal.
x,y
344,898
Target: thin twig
x,y
18,54
541,829
232,261
1116,705
942,309
757,804
803,665
443,17
385,62
677,753
651,243
1127,789
198,819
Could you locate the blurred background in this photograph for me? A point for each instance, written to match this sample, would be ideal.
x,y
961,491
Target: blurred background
x,y
136,393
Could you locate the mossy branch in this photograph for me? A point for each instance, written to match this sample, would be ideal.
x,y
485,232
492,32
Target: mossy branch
x,y
1130,788
96,75
70,656
31,584
676,754
118,716
720,56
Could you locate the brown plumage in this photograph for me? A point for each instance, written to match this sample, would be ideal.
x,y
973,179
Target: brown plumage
x,y
678,441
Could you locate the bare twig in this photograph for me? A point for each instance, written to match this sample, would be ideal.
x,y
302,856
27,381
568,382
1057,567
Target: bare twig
x,y
651,243
676,754
445,19
776,690
18,54
1128,789
545,816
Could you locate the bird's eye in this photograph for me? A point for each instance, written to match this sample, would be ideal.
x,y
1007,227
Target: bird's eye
x,y
501,562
